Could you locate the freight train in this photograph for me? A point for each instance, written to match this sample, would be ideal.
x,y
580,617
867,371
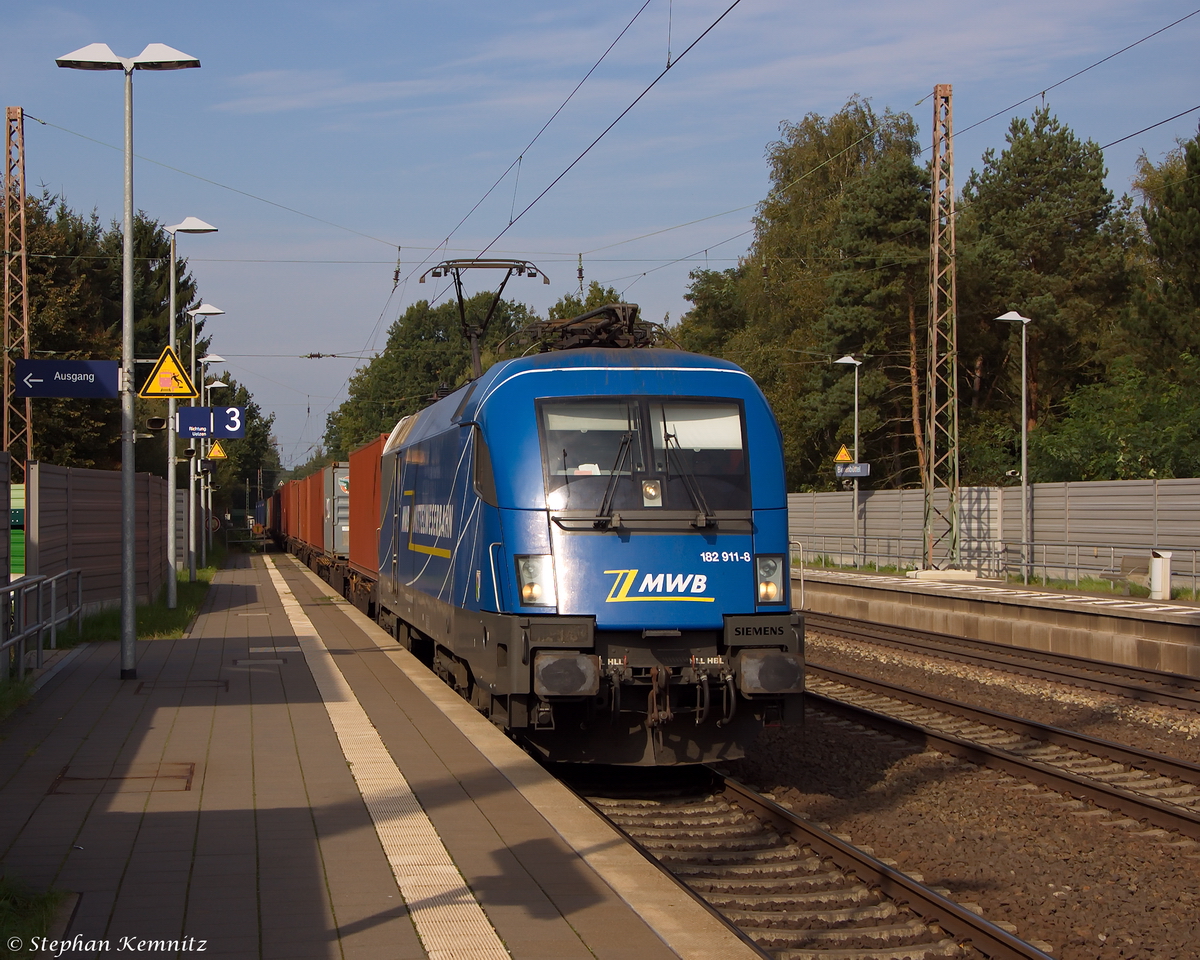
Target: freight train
x,y
589,544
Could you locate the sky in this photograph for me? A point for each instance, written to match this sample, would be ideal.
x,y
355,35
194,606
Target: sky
x,y
328,142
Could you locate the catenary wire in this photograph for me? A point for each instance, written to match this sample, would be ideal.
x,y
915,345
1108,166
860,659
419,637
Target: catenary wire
x,y
618,119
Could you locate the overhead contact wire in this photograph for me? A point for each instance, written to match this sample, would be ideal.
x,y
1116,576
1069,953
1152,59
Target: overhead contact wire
x,y
605,131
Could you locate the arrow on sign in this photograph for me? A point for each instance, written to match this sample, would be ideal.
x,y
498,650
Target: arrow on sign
x,y
30,380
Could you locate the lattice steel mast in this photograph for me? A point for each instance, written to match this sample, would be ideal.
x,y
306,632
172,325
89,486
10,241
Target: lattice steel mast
x,y
18,417
941,381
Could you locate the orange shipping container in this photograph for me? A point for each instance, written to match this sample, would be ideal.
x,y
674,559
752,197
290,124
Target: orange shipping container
x,y
364,506
312,510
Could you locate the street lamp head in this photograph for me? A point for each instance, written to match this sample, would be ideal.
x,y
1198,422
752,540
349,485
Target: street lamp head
x,y
158,56
211,358
849,359
215,384
1013,317
191,225
99,56
206,310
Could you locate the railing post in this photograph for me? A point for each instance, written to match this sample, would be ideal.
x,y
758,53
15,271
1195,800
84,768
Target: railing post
x,y
54,613
41,628
79,605
19,623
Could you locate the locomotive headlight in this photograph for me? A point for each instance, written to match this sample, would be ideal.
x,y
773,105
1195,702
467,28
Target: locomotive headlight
x,y
770,570
651,493
535,581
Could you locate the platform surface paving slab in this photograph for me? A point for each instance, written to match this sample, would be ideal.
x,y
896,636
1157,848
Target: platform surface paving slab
x,y
210,801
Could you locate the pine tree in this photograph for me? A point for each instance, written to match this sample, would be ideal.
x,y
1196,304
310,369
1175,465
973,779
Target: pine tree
x,y
1039,233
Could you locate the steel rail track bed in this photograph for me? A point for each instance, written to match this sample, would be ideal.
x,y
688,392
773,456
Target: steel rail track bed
x,y
791,888
1142,785
1138,683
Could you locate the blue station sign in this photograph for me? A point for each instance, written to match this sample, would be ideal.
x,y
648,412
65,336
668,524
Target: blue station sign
x,y
66,378
211,421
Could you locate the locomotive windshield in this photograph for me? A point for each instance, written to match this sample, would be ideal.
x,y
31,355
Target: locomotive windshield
x,y
644,453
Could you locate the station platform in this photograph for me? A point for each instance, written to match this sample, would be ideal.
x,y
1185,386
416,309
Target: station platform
x,y
287,782
1152,634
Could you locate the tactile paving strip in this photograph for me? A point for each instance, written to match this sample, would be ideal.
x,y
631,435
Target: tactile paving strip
x,y
448,918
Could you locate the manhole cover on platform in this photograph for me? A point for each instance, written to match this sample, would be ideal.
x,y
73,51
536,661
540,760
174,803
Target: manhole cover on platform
x,y
92,779
152,686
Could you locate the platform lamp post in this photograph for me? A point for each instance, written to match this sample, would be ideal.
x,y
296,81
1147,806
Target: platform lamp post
x,y
204,310
189,225
1013,317
156,56
206,483
857,363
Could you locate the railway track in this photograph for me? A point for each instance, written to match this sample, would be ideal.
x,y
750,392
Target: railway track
x,y
1148,686
1142,785
792,888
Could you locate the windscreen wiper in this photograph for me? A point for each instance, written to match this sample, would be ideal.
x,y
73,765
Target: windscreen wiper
x,y
605,517
705,516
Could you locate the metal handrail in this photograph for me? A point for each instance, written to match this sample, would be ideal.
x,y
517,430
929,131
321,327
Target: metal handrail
x,y
17,626
1068,561
799,552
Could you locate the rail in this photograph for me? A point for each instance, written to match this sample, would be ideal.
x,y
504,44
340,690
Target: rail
x,y
29,609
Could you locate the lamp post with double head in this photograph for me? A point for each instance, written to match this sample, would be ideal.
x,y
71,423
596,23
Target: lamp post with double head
x,y
189,225
857,363
156,56
1013,317
204,310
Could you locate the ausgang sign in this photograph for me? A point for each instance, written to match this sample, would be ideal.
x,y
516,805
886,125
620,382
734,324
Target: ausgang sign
x,y
66,378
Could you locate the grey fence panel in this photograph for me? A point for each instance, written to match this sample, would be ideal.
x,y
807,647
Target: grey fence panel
x,y
73,521
1074,527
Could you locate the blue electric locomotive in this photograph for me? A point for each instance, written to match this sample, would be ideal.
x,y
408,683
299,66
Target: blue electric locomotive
x,y
591,546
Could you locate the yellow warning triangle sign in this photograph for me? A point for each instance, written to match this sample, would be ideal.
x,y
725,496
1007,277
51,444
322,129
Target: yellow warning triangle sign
x,y
168,379
217,452
843,456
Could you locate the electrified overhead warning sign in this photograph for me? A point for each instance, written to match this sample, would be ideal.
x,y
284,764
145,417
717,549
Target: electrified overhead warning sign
x,y
168,380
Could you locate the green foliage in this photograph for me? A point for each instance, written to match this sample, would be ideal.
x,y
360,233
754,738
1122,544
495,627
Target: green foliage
x,y
13,692
154,620
1167,311
25,915
824,239
248,455
1039,233
75,303
572,306
1136,425
73,316
425,351
718,312
839,265
877,310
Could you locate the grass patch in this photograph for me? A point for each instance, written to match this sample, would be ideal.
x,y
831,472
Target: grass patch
x,y
154,620
14,693
1090,584
24,914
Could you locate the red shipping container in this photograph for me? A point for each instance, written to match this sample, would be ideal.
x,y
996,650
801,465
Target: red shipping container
x,y
364,506
312,510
